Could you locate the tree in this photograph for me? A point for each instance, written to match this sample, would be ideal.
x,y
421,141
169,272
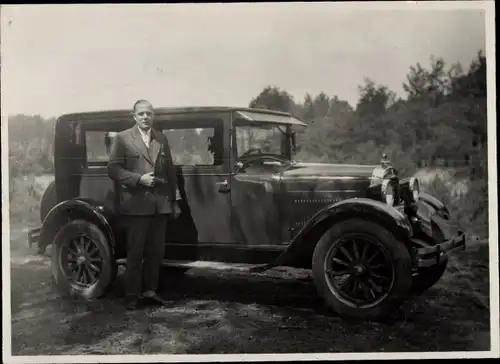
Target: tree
x,y
321,105
374,99
273,98
30,145
433,84
308,108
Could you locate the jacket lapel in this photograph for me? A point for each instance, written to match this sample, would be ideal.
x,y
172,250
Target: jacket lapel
x,y
139,144
155,145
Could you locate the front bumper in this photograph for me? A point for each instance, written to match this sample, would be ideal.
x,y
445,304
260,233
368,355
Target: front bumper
x,y
432,255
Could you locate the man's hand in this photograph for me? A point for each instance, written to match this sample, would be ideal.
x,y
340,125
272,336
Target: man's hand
x,y
147,179
176,210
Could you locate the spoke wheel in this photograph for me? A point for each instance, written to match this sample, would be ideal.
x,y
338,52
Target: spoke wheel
x,y
361,269
358,270
83,263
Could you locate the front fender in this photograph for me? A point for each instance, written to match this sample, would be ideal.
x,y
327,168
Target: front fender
x,y
302,245
435,236
434,203
73,209
433,219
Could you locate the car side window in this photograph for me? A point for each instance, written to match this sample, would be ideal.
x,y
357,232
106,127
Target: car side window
x,y
257,140
194,146
98,145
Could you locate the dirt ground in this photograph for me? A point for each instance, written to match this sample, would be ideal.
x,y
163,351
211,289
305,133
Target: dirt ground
x,y
232,312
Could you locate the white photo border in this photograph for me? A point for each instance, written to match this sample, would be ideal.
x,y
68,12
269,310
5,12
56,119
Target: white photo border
x,y
489,9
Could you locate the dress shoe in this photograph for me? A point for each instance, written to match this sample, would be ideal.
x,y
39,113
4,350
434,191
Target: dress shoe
x,y
132,303
153,299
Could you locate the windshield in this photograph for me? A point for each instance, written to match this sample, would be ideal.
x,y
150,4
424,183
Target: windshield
x,y
255,140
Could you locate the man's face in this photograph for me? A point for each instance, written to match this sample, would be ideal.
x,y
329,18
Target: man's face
x,y
144,115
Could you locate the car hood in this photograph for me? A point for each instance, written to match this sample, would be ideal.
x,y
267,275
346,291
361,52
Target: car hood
x,y
322,170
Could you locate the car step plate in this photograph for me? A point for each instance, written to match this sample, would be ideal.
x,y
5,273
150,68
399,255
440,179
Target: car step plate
x,y
200,264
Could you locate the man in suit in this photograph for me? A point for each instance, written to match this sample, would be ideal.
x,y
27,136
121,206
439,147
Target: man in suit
x,y
141,165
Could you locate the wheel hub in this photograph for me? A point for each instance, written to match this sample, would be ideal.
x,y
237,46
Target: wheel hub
x,y
359,269
81,260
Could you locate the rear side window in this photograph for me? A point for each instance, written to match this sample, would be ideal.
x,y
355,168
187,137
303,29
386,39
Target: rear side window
x,y
98,145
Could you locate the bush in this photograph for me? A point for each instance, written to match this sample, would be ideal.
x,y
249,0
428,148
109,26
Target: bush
x,y
24,197
469,210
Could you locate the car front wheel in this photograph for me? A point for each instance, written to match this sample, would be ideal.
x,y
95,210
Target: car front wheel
x,y
361,270
83,265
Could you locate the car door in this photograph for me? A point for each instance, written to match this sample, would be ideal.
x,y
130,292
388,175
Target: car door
x,y
203,230
255,197
256,193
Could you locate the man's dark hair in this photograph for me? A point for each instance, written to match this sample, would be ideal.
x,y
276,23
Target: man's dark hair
x,y
139,102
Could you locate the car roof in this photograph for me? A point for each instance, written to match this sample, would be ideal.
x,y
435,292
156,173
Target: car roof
x,y
244,112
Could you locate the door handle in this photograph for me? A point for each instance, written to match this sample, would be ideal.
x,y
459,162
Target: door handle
x,y
223,186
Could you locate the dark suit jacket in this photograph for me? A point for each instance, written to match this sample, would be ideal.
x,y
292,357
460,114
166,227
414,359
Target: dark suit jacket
x,y
129,160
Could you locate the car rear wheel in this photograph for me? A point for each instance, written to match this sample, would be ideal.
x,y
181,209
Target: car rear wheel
x,y
83,264
361,269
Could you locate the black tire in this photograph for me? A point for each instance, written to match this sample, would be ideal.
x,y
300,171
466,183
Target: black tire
x,y
49,200
393,262
427,277
96,266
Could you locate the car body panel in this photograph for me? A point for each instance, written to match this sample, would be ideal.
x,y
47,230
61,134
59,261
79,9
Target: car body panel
x,y
96,184
310,187
303,242
209,207
257,204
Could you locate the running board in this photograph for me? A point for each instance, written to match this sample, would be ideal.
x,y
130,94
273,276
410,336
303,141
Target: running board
x,y
249,268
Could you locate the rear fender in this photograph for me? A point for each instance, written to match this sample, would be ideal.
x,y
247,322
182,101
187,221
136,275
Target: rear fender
x,y
303,244
79,208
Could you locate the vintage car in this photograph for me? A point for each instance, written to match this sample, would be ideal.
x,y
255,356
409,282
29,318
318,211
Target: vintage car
x,y
370,238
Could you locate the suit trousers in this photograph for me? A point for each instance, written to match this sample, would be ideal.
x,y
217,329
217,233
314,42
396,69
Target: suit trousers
x,y
146,237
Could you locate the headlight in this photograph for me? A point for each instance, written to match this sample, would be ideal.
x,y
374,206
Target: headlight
x,y
377,175
388,192
414,188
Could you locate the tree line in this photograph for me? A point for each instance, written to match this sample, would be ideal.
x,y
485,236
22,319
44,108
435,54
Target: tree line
x,y
441,120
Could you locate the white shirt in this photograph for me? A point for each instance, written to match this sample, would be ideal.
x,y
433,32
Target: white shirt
x,y
146,136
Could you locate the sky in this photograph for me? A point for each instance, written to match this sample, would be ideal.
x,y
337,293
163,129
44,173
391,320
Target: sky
x,y
69,58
